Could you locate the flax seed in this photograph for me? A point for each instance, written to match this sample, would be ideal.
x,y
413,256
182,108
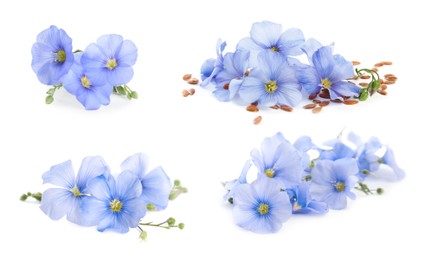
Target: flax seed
x,y
324,103
365,77
355,63
286,108
351,102
186,77
193,81
257,120
185,93
252,108
316,110
310,106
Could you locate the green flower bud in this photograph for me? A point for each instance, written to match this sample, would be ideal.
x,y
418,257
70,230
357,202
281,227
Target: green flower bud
x,y
134,95
49,100
380,191
171,222
181,225
172,196
143,235
150,207
23,197
121,90
363,94
176,183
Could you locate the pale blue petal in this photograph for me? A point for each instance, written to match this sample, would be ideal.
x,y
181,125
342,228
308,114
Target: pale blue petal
x,y
91,167
110,44
251,89
132,211
128,186
389,159
119,75
289,94
318,207
88,99
257,160
56,202
343,69
343,168
309,80
266,34
290,42
156,188
136,163
322,172
93,58
310,47
336,200
207,68
127,55
323,61
102,188
248,44
61,175
304,144
346,89
94,210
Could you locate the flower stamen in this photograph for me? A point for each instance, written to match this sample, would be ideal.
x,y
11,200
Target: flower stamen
x,y
275,49
269,172
111,64
85,82
115,205
60,56
326,83
340,186
263,209
75,191
271,86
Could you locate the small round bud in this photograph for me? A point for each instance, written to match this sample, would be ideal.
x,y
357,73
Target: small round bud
x,y
49,100
134,95
171,221
380,191
181,225
23,197
363,95
143,235
150,207
172,196
176,182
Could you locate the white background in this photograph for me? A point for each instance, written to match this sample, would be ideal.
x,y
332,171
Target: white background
x,y
199,140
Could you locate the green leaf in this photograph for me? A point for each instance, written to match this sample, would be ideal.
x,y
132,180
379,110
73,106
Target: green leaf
x,y
49,100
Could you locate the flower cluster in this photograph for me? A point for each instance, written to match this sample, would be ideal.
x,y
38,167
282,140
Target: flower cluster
x,y
263,70
290,180
96,198
91,75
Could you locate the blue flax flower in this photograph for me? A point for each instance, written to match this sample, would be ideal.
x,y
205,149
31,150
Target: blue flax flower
x,y
91,91
67,200
231,185
261,206
329,72
302,202
112,57
369,160
332,181
211,67
273,82
278,159
269,36
156,183
52,55
339,150
115,204
230,78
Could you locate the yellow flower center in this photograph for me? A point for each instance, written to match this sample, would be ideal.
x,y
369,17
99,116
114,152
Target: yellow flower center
x,y
326,83
85,82
111,64
271,87
263,208
115,205
296,206
274,48
60,56
75,191
340,186
269,172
